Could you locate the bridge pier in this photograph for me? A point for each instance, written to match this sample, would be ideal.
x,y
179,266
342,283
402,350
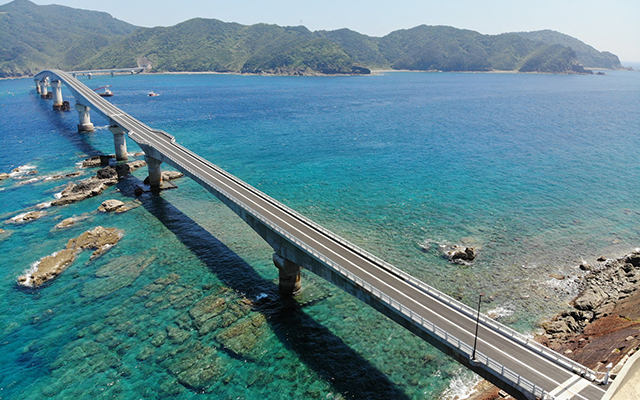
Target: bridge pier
x,y
44,92
120,142
289,275
37,81
85,124
155,172
57,95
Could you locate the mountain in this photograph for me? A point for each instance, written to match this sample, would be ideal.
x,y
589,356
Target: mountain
x,y
33,37
36,37
586,55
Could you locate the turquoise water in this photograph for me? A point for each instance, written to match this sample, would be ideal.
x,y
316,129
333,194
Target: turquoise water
x,y
539,172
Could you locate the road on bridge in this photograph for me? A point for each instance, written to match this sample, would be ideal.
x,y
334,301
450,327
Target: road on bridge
x,y
554,379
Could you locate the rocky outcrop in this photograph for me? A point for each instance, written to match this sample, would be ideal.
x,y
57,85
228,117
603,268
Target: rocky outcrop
x,y
171,175
95,185
126,168
458,254
110,205
97,161
65,223
4,176
26,217
604,322
90,187
98,239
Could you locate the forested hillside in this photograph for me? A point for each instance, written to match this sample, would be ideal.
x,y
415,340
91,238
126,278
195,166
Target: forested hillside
x,y
37,37
33,37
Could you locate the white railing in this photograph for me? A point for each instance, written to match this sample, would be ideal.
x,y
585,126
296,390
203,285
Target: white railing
x,y
496,326
440,334
517,337
461,307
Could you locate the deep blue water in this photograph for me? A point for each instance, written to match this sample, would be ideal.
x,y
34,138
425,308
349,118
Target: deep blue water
x,y
539,172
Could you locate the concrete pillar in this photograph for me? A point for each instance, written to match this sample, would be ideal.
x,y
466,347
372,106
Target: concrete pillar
x,y
85,124
120,142
37,81
44,92
57,94
289,275
155,172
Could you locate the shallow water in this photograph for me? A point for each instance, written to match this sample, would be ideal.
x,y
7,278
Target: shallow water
x,y
536,171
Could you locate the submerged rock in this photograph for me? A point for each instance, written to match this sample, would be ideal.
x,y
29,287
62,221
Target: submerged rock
x,y
110,205
117,274
243,336
65,223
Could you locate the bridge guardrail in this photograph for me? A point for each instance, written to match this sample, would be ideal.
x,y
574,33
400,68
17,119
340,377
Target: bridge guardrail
x,y
461,307
496,326
442,335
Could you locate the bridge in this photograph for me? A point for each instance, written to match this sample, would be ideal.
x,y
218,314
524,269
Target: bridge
x,y
111,72
508,359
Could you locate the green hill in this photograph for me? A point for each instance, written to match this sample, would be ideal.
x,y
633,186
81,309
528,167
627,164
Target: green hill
x,y
33,37
586,55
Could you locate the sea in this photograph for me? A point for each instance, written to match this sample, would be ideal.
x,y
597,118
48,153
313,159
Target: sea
x,y
538,173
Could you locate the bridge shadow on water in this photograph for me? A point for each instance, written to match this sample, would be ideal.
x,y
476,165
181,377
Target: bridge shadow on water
x,y
315,345
58,120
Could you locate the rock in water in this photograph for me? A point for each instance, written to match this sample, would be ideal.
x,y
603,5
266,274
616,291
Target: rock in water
x,y
96,161
171,175
99,239
48,268
461,255
27,217
110,205
4,176
65,223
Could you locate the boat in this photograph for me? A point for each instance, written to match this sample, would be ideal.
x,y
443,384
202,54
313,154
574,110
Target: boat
x,y
153,94
106,92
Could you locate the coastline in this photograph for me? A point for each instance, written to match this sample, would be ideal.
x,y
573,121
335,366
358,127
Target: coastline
x,y
374,72
601,328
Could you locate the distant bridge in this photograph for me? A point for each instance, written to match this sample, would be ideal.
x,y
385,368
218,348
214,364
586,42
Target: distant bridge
x,y
511,361
111,72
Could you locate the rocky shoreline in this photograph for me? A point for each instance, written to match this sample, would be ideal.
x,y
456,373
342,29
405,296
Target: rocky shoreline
x,y
603,325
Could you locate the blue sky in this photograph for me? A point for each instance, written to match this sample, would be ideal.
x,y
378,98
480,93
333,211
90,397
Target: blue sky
x,y
611,25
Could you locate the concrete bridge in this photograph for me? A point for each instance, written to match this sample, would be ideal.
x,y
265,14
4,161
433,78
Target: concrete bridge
x,y
111,72
511,361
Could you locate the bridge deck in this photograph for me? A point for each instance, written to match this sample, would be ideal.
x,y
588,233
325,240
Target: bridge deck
x,y
522,360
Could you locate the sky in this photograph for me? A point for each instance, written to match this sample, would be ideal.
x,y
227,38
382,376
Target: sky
x,y
607,25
